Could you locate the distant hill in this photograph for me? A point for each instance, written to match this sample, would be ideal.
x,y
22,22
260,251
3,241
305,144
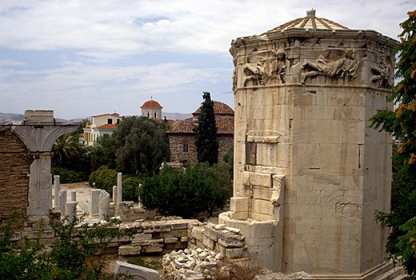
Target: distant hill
x,y
9,117
176,116
16,118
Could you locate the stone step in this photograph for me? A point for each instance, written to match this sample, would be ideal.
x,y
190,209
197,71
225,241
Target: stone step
x,y
401,276
391,274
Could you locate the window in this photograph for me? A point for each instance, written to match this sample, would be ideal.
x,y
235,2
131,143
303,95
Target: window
x,y
109,121
148,115
118,121
185,148
251,153
155,115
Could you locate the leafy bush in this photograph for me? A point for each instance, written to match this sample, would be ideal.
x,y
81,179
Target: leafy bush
x,y
131,188
104,178
103,152
188,192
70,176
71,256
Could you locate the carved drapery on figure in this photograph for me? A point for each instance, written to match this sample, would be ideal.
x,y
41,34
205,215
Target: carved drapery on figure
x,y
345,67
270,65
382,74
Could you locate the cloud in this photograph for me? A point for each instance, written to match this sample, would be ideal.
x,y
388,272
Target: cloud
x,y
82,57
10,63
80,89
108,29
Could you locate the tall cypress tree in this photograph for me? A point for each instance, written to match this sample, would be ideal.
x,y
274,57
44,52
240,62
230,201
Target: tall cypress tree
x,y
206,132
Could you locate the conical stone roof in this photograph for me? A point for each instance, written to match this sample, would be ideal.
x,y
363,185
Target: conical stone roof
x,y
310,22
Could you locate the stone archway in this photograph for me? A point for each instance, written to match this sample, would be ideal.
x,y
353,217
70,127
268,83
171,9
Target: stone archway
x,y
14,170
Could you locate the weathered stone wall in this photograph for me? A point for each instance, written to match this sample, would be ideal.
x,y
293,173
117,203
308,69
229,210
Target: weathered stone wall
x,y
150,237
14,170
225,144
176,142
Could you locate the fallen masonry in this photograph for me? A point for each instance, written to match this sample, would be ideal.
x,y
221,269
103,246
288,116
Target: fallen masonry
x,y
226,241
190,264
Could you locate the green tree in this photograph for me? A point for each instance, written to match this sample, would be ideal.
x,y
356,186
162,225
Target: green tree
x,y
141,145
195,190
206,132
103,152
103,178
131,186
70,158
401,123
66,149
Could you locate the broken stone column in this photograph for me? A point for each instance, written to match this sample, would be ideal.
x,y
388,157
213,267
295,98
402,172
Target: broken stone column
x,y
119,193
62,202
71,210
94,203
39,132
119,187
114,194
139,198
56,191
103,204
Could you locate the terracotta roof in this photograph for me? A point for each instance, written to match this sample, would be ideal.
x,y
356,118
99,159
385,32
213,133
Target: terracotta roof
x,y
219,108
151,104
310,22
225,125
108,126
108,114
181,126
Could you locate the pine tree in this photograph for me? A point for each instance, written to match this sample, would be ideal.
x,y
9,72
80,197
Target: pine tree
x,y
401,123
206,132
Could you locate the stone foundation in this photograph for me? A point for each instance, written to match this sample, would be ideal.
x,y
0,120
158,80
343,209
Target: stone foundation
x,y
155,237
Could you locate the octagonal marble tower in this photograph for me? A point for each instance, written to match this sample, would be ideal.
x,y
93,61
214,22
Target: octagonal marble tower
x,y
309,173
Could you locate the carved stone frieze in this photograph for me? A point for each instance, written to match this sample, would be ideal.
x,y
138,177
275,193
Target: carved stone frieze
x,y
382,73
344,67
268,66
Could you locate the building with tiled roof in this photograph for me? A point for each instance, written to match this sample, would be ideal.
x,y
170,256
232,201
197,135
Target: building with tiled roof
x,y
152,109
100,125
181,134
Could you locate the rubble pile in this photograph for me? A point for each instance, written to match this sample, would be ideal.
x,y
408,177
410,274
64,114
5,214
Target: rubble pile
x,y
227,241
190,264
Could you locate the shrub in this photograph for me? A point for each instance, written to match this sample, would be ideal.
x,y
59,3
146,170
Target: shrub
x,y
104,178
131,188
199,188
70,176
71,256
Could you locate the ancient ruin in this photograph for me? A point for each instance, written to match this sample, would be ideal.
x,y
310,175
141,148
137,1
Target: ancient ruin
x,y
309,173
31,144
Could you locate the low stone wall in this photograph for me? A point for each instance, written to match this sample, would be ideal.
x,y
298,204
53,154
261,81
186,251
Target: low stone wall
x,y
156,237
227,241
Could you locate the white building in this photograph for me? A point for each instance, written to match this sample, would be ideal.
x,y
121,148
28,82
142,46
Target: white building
x,y
100,125
152,109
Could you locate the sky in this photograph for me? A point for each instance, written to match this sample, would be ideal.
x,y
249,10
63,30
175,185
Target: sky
x,y
86,57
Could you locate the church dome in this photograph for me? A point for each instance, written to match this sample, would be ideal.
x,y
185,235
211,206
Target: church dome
x,y
310,22
219,109
151,104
